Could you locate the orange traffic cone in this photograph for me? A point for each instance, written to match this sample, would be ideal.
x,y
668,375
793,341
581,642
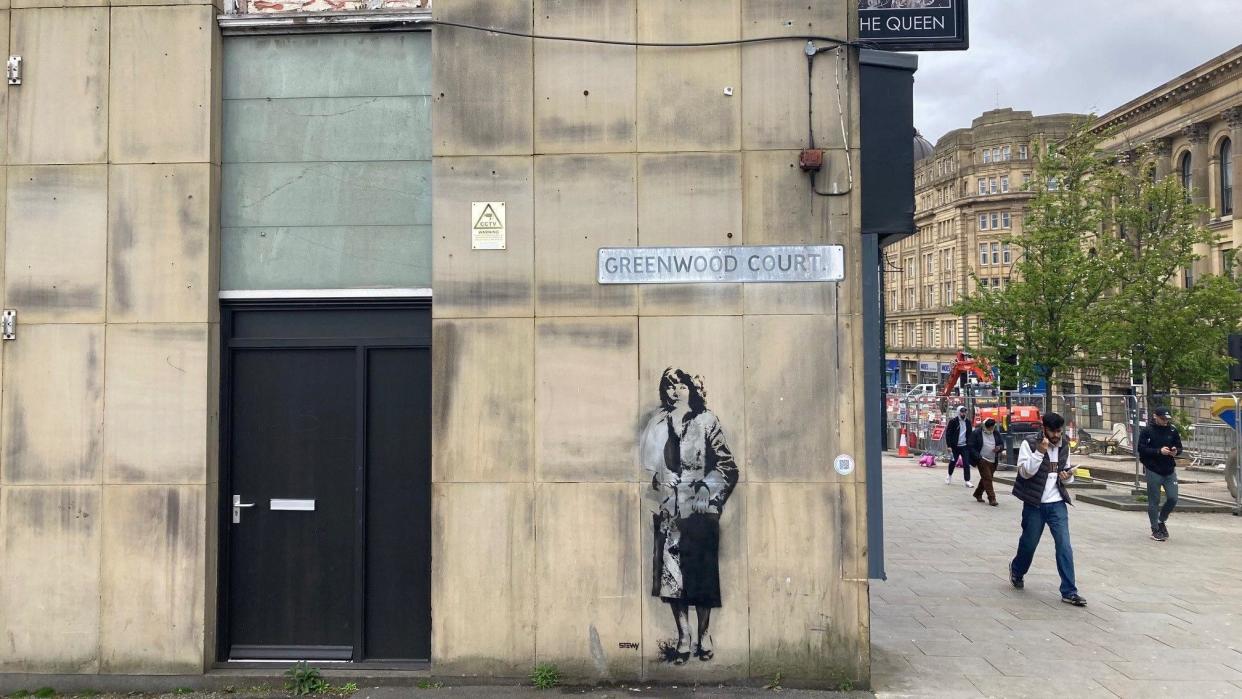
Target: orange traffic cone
x,y
903,449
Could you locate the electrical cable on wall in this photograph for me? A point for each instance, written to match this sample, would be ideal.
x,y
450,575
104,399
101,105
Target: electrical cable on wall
x,y
811,51
649,44
813,167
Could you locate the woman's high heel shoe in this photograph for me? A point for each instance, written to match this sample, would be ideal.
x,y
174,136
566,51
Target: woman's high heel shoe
x,y
682,656
702,653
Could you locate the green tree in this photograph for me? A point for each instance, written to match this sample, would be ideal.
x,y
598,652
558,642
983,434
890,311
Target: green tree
x,y
1175,336
1046,317
1190,336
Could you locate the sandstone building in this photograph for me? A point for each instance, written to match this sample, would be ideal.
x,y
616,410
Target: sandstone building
x,y
970,191
1190,127
967,198
281,388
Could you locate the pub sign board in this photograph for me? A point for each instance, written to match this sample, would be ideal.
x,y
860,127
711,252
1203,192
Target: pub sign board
x,y
914,25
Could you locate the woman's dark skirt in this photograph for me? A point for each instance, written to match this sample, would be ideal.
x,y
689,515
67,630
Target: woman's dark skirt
x,y
699,555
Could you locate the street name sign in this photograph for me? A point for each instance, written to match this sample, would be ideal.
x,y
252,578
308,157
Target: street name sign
x,y
741,263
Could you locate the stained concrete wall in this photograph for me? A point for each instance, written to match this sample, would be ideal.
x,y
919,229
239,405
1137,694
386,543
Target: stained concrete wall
x,y
108,404
543,532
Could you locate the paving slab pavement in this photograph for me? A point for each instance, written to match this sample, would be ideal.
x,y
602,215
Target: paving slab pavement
x,y
1163,619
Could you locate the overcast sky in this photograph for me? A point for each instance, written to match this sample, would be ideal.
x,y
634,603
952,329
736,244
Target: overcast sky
x,y
1050,56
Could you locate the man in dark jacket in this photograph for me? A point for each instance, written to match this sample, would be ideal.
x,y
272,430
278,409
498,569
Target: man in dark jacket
x,y
1043,473
986,445
955,434
1158,443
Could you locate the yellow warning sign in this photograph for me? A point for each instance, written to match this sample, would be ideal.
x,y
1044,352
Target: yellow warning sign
x,y
487,230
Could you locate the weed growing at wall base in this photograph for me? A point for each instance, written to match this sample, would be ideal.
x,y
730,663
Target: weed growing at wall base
x,y
302,679
545,676
775,683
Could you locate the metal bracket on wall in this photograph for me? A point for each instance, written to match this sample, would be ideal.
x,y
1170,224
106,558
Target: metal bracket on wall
x,y
14,70
8,324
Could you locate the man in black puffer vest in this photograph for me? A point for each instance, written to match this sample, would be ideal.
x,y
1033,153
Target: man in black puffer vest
x,y
1043,472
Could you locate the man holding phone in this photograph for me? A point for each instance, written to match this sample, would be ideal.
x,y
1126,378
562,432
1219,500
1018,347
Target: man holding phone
x,y
1158,443
1043,473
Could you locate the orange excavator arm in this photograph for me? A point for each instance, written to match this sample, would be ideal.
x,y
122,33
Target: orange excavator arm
x,y
965,365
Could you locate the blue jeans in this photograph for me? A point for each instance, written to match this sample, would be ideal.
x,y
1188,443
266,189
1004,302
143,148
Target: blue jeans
x,y
1034,517
1155,512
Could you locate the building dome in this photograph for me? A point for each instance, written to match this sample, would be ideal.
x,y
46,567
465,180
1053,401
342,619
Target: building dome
x,y
922,147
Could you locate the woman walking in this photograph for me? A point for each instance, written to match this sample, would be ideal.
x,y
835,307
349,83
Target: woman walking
x,y
683,447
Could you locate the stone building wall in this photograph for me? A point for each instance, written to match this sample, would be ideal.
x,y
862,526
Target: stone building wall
x,y
1191,116
948,204
543,378
543,529
109,393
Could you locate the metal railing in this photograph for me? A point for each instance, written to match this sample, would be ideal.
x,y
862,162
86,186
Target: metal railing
x,y
1103,430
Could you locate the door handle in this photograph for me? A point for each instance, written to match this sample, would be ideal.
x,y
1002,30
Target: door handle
x,y
237,508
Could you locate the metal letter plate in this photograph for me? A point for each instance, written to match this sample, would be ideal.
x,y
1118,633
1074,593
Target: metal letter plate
x,y
294,505
737,263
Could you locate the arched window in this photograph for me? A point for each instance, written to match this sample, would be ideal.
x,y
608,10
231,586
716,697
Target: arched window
x,y
1226,177
1186,173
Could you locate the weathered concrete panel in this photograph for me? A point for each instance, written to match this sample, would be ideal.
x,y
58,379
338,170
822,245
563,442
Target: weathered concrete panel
x,y
213,403
327,129
155,427
483,581
482,84
27,4
584,93
483,283
796,397
775,103
483,368
588,564
326,257
377,65
729,627
678,87
49,594
53,405
159,221
690,199
586,402
804,598
153,541
781,209
56,243
161,102
4,98
4,203
218,4
583,203
384,193
59,113
707,346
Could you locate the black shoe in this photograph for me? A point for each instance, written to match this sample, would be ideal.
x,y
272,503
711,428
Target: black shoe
x,y
1157,535
1014,580
1164,530
1075,600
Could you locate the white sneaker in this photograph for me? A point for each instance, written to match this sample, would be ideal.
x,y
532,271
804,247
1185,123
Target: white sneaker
x,y
969,484
948,480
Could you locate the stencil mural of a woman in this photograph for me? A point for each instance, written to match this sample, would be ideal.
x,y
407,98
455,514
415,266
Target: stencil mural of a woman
x,y
683,447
